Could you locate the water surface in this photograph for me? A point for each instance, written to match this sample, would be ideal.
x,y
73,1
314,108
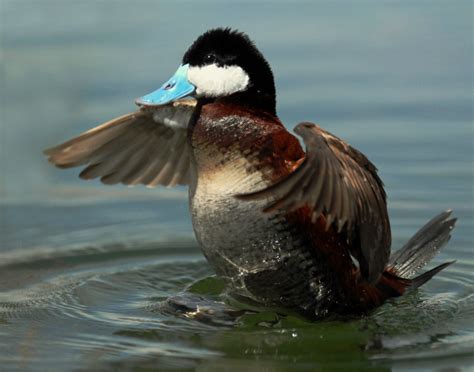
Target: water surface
x,y
86,271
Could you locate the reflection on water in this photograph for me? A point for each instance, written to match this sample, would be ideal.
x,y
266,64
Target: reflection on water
x,y
110,277
131,311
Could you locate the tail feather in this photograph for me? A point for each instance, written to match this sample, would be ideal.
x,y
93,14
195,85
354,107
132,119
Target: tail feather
x,y
423,278
400,273
422,247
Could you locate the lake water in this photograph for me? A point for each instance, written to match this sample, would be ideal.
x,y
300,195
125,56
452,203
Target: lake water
x,y
86,270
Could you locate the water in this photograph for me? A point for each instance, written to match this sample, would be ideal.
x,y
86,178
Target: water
x,y
86,270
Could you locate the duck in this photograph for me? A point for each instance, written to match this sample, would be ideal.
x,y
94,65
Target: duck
x,y
305,232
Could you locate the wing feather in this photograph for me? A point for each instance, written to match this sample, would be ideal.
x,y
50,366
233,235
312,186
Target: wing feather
x,y
136,148
340,183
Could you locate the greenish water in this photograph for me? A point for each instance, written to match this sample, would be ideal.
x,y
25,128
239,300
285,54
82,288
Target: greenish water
x,y
96,278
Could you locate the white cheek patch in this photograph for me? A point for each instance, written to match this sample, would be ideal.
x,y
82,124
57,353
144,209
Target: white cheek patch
x,y
215,81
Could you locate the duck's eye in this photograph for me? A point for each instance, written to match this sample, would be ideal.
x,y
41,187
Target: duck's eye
x,y
210,58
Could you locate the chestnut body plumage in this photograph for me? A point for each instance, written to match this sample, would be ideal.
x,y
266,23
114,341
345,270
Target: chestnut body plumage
x,y
305,232
262,258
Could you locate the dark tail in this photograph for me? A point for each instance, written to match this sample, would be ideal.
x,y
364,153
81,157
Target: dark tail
x,y
405,263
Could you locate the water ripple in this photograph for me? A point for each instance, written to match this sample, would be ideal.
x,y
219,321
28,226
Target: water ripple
x,y
126,306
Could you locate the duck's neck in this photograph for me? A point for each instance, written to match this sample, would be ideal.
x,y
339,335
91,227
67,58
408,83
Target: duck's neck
x,y
251,99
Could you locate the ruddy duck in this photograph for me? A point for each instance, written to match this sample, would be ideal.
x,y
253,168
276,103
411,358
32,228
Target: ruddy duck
x,y
305,232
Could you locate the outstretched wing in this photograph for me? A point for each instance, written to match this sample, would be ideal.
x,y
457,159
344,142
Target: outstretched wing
x,y
145,147
340,183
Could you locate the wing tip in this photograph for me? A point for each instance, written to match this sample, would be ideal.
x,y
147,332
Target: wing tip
x,y
48,152
58,164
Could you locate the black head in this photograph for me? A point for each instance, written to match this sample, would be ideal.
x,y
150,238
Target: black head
x,y
225,64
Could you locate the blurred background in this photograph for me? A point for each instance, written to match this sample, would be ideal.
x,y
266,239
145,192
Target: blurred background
x,y
392,78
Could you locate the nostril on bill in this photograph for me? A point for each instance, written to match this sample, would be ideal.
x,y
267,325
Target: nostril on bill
x,y
169,85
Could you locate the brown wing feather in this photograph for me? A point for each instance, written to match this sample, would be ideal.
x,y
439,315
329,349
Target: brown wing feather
x,y
339,182
132,149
